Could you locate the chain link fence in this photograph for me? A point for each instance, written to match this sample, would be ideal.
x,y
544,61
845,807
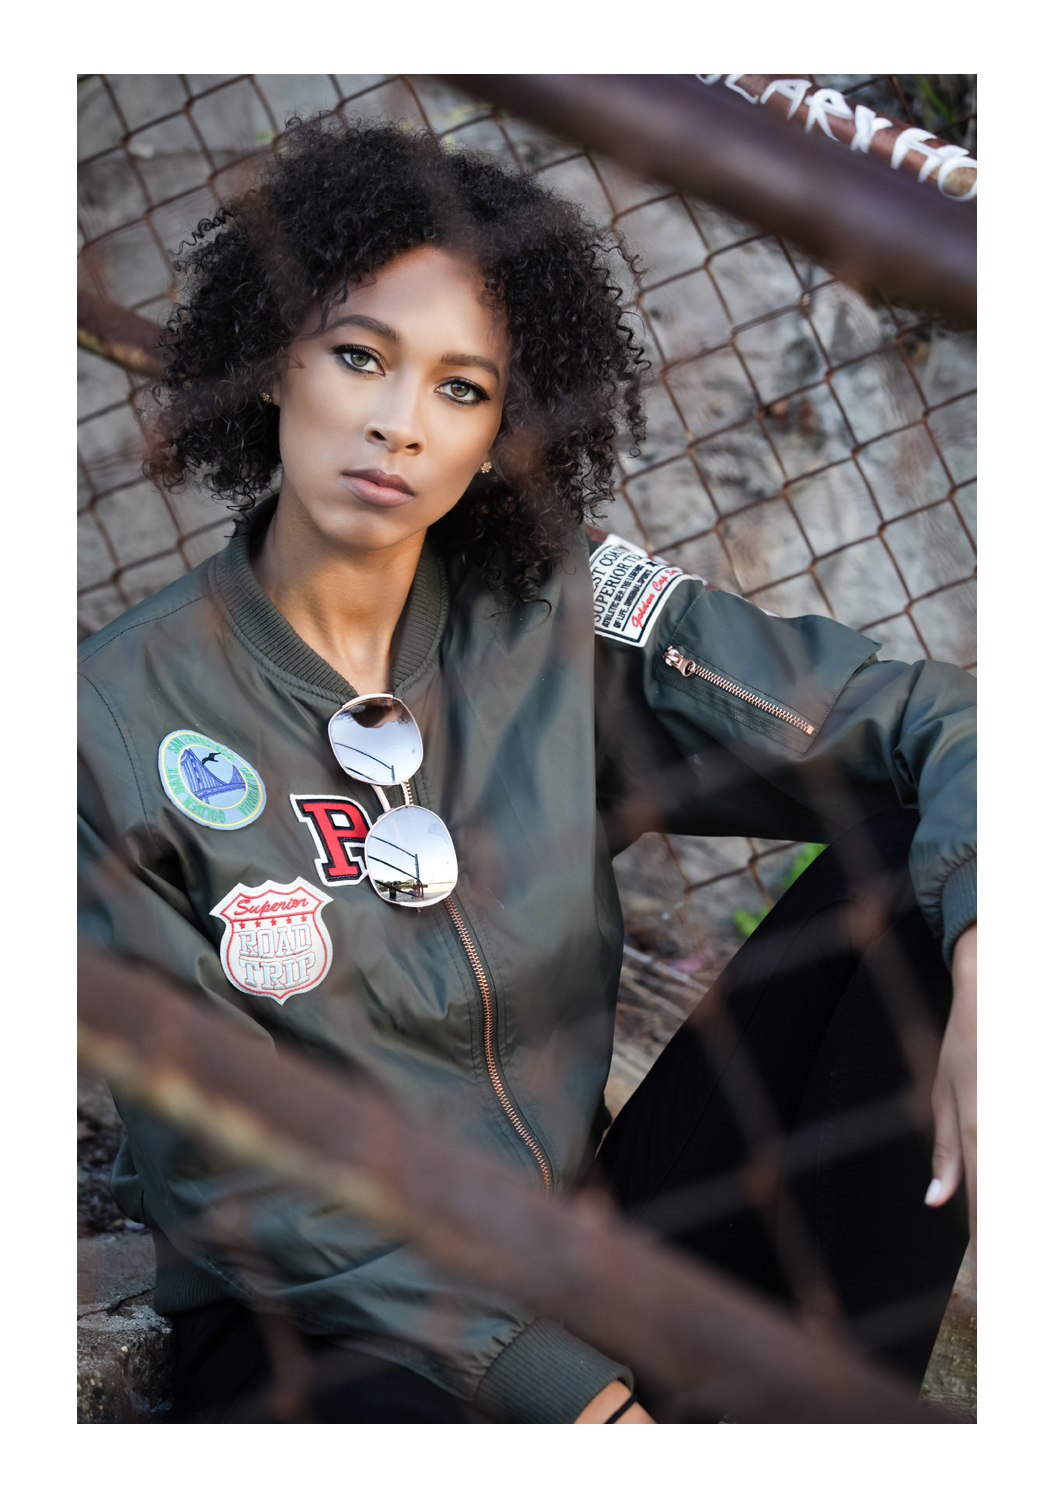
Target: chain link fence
x,y
808,448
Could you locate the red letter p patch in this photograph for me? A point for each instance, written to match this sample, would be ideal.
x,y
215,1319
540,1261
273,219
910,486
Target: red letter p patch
x,y
339,827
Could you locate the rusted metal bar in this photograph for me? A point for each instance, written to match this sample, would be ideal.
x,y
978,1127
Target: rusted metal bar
x,y
701,1341
121,335
908,148
872,227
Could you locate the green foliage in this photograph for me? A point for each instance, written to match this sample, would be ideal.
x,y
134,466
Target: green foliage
x,y
943,103
927,92
806,856
747,922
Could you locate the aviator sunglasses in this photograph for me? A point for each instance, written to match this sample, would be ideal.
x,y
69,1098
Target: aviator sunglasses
x,y
409,855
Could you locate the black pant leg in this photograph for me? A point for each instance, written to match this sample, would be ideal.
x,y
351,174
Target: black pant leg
x,y
860,1159
784,1133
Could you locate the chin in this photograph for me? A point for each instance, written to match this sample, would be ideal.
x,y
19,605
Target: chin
x,y
363,528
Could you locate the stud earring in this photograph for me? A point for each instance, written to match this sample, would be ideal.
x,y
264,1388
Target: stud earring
x,y
485,467
266,397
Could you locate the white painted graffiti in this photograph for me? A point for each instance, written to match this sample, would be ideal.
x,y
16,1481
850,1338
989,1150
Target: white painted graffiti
x,y
824,105
793,90
866,124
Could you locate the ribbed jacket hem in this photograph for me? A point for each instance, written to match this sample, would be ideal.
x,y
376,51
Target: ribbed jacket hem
x,y
545,1377
184,1286
959,905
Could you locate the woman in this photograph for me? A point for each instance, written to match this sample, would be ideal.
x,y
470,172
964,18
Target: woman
x,y
433,348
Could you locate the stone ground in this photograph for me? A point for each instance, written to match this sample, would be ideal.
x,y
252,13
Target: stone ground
x,y
122,1346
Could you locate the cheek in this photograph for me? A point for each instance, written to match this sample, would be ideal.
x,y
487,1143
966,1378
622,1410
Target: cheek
x,y
314,407
322,397
462,440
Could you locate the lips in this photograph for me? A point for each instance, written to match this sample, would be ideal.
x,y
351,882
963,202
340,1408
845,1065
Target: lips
x,y
372,485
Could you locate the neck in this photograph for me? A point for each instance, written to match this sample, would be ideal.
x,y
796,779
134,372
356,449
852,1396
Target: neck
x,y
348,604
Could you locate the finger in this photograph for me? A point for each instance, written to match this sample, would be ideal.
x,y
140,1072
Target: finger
x,y
944,1183
947,1163
968,1152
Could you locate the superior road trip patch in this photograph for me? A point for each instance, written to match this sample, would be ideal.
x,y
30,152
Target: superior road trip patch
x,y
275,943
630,588
211,783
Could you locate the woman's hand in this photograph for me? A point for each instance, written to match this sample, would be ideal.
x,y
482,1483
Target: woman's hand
x,y
953,1097
611,1397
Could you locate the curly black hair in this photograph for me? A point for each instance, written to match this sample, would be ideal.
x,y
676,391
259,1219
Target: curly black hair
x,y
336,203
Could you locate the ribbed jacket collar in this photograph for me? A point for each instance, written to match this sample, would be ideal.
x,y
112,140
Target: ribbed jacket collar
x,y
257,620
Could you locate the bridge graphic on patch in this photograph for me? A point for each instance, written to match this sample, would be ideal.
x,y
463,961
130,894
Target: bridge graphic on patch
x,y
212,784
203,782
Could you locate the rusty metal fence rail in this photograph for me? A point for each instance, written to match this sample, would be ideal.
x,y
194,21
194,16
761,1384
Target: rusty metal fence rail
x,y
809,448
705,1345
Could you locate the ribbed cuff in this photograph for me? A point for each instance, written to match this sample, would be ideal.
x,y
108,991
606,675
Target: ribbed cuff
x,y
185,1288
545,1377
181,1284
959,905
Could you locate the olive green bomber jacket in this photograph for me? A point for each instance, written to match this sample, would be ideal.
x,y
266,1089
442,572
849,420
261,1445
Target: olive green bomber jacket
x,y
554,733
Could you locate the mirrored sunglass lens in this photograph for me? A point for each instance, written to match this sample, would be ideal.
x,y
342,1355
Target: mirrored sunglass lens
x,y
376,739
410,857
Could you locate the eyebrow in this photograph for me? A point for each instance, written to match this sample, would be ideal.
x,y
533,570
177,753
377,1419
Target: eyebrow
x,y
464,359
449,359
366,323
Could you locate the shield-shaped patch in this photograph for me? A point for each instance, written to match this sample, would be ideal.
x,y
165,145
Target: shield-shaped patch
x,y
275,943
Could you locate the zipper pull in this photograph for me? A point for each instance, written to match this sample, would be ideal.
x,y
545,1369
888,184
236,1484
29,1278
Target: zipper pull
x,y
679,662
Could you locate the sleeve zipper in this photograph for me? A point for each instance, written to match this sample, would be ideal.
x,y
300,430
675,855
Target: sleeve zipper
x,y
691,668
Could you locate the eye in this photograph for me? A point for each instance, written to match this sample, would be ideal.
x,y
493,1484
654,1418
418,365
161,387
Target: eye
x,y
463,391
358,358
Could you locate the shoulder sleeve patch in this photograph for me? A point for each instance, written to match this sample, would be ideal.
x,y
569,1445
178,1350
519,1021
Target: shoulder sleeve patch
x,y
630,588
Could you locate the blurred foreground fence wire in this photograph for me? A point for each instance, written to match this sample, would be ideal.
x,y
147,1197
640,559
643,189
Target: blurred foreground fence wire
x,y
118,334
869,225
910,149
701,1342
810,447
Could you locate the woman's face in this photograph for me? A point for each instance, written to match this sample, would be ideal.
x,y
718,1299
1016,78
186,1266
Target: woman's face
x,y
386,415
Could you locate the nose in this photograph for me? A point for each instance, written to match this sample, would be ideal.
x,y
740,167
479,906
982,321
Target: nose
x,y
395,422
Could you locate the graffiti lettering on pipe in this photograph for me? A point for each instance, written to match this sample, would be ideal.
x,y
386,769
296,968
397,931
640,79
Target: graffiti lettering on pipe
x,y
907,148
866,124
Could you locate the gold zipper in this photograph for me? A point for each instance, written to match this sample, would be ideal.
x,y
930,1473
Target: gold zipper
x,y
691,668
490,1056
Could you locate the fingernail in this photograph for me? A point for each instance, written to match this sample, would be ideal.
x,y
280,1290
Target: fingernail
x,y
934,1191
